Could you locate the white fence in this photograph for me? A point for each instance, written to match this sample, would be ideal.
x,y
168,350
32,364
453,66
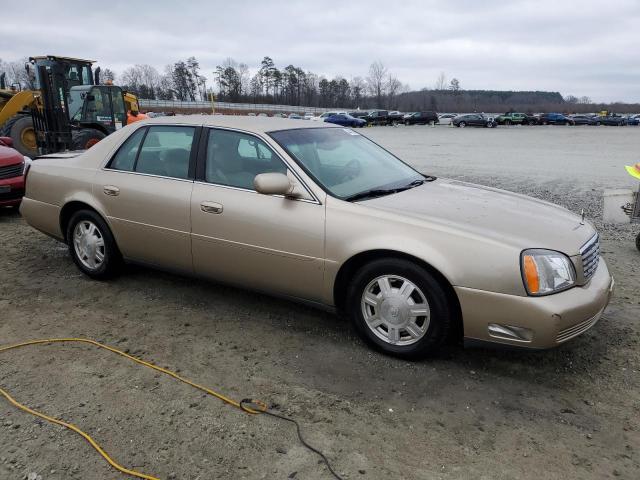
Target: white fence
x,y
249,107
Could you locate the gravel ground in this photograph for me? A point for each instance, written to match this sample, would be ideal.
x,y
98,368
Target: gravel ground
x,y
570,413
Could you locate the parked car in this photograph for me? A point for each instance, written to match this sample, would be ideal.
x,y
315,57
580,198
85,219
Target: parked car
x,y
473,120
446,118
321,117
378,117
555,119
633,120
295,116
420,118
13,168
514,118
613,120
322,214
346,120
396,117
359,114
584,119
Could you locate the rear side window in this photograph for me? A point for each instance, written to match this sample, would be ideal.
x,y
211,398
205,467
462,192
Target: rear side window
x,y
126,157
166,151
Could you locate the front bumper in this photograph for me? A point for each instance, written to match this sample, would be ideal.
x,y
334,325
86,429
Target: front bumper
x,y
540,322
11,191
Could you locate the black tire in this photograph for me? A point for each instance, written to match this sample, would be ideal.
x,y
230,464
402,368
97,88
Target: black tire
x,y
507,122
638,242
490,125
86,138
598,124
15,128
441,312
545,122
461,124
112,260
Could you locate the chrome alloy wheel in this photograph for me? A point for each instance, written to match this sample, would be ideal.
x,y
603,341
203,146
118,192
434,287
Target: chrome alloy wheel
x,y
88,244
395,310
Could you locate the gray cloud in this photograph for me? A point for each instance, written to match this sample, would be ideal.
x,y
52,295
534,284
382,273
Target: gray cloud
x,y
576,47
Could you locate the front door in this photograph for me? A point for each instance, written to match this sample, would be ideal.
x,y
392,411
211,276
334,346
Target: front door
x,y
145,192
239,236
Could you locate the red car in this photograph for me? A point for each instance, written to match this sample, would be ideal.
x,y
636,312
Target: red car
x,y
12,172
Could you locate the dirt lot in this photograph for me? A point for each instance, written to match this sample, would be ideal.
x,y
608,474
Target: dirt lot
x,y
570,413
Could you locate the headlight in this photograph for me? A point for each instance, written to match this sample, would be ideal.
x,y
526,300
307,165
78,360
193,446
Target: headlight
x,y
546,271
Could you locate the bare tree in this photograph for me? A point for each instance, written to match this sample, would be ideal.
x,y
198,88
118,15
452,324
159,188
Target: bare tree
x,y
454,86
441,82
245,77
376,81
393,88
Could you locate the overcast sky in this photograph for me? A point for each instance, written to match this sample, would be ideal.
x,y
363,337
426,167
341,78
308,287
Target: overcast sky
x,y
586,47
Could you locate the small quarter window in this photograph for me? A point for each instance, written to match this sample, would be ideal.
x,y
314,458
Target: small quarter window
x,y
126,156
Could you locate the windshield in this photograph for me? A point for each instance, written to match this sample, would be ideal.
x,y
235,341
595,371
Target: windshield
x,y
344,162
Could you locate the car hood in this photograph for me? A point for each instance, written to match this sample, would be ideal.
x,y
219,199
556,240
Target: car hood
x,y
505,217
9,156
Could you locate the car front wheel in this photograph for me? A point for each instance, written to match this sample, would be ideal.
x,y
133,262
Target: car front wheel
x,y
400,308
92,246
462,124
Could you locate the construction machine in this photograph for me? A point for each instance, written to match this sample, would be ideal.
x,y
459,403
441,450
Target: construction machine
x,y
70,110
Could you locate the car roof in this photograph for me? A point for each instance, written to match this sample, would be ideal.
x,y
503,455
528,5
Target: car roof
x,y
241,122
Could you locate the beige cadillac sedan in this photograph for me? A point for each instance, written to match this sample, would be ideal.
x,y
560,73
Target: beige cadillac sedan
x,y
319,213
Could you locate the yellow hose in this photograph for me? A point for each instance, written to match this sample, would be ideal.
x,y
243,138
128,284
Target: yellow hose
x,y
86,436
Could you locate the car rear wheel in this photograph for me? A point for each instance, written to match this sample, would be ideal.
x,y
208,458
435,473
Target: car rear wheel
x,y
92,246
490,124
399,308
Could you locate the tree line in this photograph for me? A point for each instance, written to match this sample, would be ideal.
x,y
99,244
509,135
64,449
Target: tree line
x,y
267,83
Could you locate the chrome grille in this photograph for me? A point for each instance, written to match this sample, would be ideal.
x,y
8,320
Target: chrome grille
x,y
590,253
11,171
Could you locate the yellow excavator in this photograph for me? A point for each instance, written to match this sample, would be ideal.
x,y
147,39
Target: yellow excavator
x,y
69,110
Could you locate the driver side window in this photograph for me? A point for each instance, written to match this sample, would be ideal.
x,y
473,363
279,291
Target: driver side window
x,y
234,159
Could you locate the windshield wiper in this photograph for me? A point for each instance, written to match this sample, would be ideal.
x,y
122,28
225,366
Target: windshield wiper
x,y
379,192
376,192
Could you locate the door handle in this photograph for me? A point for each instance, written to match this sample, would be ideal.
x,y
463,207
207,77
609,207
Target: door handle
x,y
111,190
211,207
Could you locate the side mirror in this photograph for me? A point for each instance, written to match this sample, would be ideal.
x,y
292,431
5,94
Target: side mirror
x,y
274,184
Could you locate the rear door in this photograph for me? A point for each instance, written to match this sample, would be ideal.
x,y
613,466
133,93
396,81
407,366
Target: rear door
x,y
145,192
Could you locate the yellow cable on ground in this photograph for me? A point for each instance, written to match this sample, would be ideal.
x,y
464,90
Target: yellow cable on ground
x,y
94,444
